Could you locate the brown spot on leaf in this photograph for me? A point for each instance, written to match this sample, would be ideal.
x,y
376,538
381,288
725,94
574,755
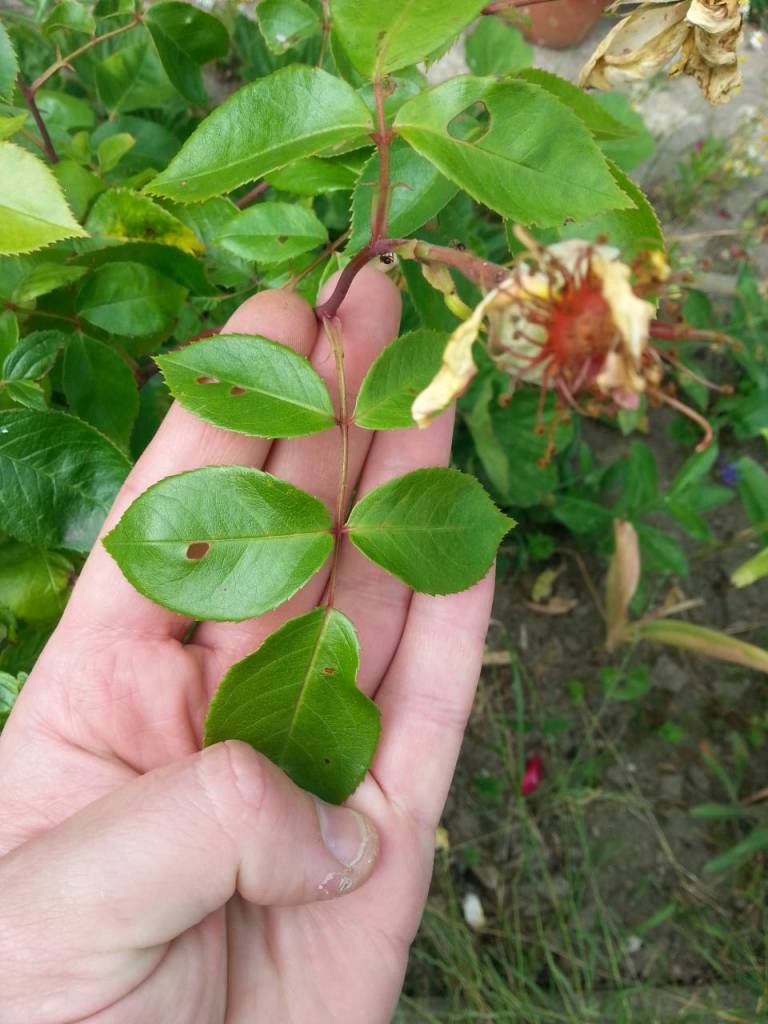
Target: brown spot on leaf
x,y
206,380
236,390
329,670
198,549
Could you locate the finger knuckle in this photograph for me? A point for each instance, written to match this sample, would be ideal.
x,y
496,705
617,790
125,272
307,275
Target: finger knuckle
x,y
233,773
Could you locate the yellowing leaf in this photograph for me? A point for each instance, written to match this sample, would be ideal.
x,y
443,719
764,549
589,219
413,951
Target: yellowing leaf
x,y
33,210
128,216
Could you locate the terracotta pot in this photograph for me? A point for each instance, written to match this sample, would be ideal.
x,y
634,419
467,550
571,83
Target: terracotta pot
x,y
563,23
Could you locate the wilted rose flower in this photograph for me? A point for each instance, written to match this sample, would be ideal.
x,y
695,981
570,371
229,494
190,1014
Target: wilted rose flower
x,y
566,318
574,319
706,34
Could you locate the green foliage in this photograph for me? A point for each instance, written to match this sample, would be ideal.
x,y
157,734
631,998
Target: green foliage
x,y
58,478
296,700
186,535
403,369
249,384
436,529
535,161
33,210
264,126
380,38
136,227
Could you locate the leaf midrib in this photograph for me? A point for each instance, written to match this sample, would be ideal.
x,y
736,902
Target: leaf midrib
x,y
197,539
305,682
253,390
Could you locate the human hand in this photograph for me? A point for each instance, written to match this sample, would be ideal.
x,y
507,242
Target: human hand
x,y
145,881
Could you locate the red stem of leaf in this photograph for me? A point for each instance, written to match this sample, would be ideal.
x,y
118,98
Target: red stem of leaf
x,y
252,196
29,98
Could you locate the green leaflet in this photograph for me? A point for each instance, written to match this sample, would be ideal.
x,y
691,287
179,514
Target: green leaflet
x,y
128,216
295,112
419,192
509,447
600,122
130,299
34,355
9,65
631,231
393,381
9,691
70,16
536,162
296,701
379,38
494,48
33,210
286,23
435,529
314,175
100,388
58,478
33,581
249,384
133,78
224,542
272,232
186,37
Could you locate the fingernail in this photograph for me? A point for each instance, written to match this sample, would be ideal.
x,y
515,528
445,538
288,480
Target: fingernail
x,y
348,836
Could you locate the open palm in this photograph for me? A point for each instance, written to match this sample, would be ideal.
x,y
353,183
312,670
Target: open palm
x,y
144,881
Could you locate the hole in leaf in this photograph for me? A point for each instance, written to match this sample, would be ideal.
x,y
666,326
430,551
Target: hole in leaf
x,y
326,760
236,390
329,670
470,125
207,380
198,549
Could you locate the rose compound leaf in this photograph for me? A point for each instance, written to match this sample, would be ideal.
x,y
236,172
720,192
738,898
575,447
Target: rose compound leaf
x,y
419,193
185,38
293,113
379,38
224,542
33,210
435,529
58,478
296,701
130,299
272,232
249,384
100,388
532,160
399,374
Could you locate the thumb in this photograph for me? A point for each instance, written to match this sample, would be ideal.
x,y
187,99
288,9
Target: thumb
x,y
145,863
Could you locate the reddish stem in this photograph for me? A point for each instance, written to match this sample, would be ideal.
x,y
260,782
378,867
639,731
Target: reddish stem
x,y
252,196
328,309
29,98
504,5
